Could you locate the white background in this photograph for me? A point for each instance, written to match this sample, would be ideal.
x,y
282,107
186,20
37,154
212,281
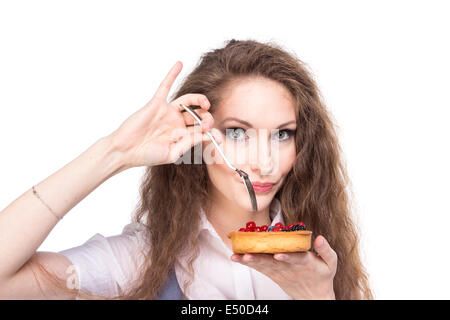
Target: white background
x,y
72,71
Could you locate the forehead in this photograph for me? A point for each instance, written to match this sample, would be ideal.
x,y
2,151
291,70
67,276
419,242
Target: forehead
x,y
260,101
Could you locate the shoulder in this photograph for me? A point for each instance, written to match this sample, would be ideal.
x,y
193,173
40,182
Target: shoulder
x,y
131,245
133,238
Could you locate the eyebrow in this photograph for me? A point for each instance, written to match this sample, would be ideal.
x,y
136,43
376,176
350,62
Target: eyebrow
x,y
249,124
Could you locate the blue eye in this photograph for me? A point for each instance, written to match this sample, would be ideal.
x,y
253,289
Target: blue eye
x,y
238,134
284,135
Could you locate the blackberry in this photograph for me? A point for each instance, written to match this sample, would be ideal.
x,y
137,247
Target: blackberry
x,y
298,228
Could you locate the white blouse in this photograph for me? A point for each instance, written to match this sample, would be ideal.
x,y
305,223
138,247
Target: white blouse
x,y
105,264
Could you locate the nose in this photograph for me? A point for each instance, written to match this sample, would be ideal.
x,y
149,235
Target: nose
x,y
261,159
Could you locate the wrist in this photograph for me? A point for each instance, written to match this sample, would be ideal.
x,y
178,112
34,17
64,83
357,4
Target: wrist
x,y
112,160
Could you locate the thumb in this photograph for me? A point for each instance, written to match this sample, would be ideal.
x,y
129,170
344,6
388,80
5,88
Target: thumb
x,y
323,249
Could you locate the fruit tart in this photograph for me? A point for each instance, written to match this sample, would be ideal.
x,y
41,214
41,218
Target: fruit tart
x,y
273,239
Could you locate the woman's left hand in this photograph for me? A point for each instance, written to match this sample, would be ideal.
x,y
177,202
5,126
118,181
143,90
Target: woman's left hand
x,y
302,275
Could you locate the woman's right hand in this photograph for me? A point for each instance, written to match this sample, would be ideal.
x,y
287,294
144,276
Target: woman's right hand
x,y
149,136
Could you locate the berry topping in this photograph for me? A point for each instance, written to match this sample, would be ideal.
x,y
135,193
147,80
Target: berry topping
x,y
279,225
250,225
298,227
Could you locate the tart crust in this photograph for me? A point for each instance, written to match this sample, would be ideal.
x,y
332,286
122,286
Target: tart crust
x,y
271,241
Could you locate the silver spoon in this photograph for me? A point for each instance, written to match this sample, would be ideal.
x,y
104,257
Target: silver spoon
x,y
242,174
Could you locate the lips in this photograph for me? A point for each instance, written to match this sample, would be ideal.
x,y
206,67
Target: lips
x,y
262,184
262,187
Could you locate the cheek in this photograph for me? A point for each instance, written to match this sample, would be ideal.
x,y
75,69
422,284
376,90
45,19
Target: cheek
x,y
236,153
220,176
219,173
287,159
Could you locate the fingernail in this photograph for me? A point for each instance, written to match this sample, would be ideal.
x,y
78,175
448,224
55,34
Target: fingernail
x,y
281,257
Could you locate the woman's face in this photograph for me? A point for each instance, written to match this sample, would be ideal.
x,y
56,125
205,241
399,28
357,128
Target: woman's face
x,y
251,112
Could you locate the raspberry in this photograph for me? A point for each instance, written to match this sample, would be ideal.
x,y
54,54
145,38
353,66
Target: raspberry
x,y
258,229
279,225
242,229
264,228
276,229
250,225
290,226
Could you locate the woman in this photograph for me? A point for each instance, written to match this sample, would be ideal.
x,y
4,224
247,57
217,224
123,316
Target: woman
x,y
178,234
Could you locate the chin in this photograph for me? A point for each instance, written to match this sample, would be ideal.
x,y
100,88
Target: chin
x,y
245,203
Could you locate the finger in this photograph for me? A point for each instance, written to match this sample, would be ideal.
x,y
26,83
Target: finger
x,y
166,84
186,141
292,257
262,262
323,249
178,133
236,257
206,119
191,99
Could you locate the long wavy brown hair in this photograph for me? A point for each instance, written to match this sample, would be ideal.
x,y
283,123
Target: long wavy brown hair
x,y
317,189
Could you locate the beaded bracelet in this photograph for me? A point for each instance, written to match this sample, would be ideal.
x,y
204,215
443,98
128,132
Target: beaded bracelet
x,y
37,195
